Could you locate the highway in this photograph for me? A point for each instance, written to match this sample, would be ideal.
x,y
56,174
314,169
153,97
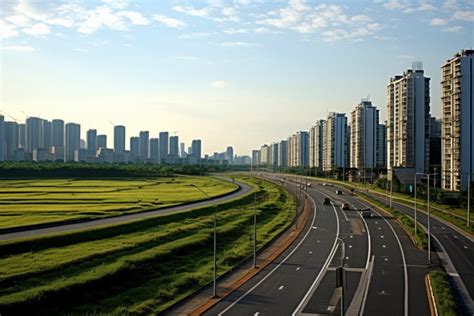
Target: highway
x,y
243,189
302,281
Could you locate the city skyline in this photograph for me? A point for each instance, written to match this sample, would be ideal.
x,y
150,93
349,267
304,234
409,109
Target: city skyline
x,y
214,69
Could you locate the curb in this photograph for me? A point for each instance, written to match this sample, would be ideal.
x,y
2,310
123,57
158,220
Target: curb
x,y
263,264
431,298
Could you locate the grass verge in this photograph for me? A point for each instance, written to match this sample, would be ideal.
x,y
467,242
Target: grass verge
x,y
444,298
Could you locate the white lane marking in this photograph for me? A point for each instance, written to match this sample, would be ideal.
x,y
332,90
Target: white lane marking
x,y
381,236
347,258
383,246
376,222
315,227
455,236
324,267
443,228
310,252
298,269
350,236
379,228
465,247
350,246
280,288
385,259
317,241
278,266
256,314
344,213
369,250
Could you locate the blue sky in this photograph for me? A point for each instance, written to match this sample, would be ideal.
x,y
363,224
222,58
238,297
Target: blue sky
x,y
241,72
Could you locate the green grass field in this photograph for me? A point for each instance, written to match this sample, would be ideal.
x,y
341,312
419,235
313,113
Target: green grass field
x,y
27,202
139,267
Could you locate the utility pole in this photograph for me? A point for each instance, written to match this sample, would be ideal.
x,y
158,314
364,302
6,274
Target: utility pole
x,y
214,292
468,199
429,220
255,233
416,226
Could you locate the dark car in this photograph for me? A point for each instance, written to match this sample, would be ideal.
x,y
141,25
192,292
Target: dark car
x,y
345,206
366,213
338,192
327,201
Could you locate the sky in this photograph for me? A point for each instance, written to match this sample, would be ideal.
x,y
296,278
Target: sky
x,y
229,72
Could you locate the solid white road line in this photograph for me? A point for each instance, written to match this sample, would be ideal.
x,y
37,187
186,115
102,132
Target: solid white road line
x,y
324,267
278,266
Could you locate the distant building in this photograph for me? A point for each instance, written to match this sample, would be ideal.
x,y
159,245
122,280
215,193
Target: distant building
x,y
80,155
144,145
57,139
335,148
230,154
154,150
182,151
34,134
11,140
408,113
134,149
3,144
316,142
119,138
381,146
22,137
283,154
91,145
255,157
164,146
105,155
72,140
101,141
457,109
174,147
196,148
47,135
364,121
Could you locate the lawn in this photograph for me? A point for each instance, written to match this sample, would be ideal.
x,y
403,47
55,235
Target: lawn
x,y
141,266
27,202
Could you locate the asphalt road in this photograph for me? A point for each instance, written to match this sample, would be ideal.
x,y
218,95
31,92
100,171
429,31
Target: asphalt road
x,y
302,280
458,247
243,189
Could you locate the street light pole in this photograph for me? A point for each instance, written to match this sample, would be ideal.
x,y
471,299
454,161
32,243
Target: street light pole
x,y
416,228
214,292
255,233
468,199
343,254
429,220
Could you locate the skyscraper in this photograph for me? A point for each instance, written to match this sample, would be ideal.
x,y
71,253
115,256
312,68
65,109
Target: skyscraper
x,y
229,154
144,145
174,147
47,135
34,134
364,121
196,148
91,145
316,141
408,113
381,146
134,148
101,141
119,139
11,140
164,146
22,137
57,139
283,154
182,151
335,150
154,150
457,112
3,144
72,140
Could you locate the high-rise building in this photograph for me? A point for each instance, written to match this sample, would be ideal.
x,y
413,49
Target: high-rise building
x,y
47,135
144,145
91,145
364,121
134,149
264,155
34,134
3,144
22,137
196,148
408,113
298,149
119,139
229,154
283,154
174,147
435,146
182,150
164,146
154,150
255,157
381,146
57,139
11,140
72,140
316,141
457,113
101,141
335,148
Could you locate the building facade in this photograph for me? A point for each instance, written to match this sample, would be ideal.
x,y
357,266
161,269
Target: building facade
x,y
364,121
335,148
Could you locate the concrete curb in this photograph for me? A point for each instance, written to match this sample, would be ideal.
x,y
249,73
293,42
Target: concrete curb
x,y
431,298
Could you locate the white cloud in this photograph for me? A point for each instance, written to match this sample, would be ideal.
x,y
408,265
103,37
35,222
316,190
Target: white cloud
x,y
262,30
450,5
19,48
360,18
101,16
231,31
236,44
194,35
135,17
453,29
438,22
464,16
7,30
393,4
37,29
169,22
19,20
187,58
219,84
204,12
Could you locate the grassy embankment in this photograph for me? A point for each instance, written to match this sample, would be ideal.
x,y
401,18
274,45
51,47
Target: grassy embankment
x,y
27,202
454,215
138,267
444,298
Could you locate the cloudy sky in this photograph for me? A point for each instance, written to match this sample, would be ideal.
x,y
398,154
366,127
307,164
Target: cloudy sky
x,y
232,72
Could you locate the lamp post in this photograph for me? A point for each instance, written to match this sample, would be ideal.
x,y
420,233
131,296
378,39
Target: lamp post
x,y
343,255
255,233
214,290
429,211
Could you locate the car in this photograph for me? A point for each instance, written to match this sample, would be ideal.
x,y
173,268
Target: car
x,y
345,206
338,192
327,201
324,184
367,213
309,185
